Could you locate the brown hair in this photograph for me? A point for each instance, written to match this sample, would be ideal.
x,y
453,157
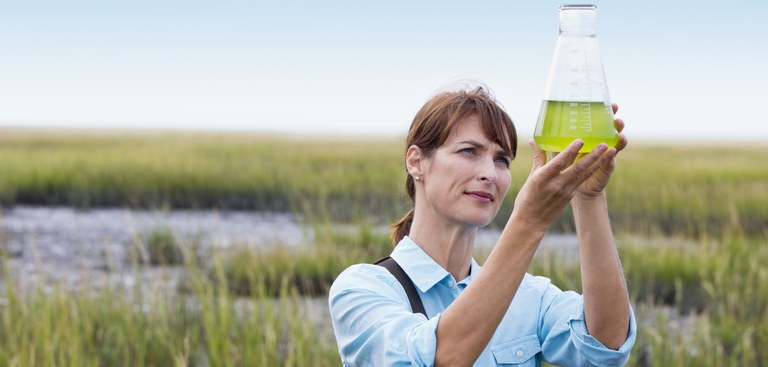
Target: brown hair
x,y
435,121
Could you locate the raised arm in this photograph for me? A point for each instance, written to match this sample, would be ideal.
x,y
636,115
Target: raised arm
x,y
606,302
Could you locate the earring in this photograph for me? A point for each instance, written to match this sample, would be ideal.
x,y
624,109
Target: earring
x,y
417,178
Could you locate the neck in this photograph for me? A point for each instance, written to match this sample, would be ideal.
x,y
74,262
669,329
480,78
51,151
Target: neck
x,y
449,244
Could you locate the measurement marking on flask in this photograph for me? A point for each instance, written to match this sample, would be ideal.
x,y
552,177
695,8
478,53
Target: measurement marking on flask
x,y
586,117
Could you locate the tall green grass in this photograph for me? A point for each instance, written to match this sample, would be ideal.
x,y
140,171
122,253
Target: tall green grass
x,y
199,170
309,271
689,189
726,281
118,326
692,224
697,303
702,303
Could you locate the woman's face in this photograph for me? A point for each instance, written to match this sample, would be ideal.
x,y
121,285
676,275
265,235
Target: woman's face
x,y
467,178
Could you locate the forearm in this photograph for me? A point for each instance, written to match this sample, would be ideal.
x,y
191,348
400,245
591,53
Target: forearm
x,y
606,301
467,325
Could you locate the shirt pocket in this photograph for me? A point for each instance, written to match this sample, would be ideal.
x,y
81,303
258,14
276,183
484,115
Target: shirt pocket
x,y
519,352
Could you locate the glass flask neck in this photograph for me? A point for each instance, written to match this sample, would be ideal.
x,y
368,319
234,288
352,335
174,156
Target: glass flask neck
x,y
578,20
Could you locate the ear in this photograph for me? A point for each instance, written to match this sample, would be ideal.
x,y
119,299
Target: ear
x,y
415,161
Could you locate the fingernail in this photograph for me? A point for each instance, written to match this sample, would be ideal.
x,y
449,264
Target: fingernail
x,y
601,148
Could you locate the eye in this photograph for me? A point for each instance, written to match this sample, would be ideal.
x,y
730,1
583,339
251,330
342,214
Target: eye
x,y
504,161
469,150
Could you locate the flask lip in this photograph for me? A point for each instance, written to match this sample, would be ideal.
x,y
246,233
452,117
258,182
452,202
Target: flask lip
x,y
577,7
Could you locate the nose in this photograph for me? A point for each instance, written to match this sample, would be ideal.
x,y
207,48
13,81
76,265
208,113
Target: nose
x,y
487,171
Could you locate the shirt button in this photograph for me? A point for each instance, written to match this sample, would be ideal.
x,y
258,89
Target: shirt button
x,y
519,353
451,283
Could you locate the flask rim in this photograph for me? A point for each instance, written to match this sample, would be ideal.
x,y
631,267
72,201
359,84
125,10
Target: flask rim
x,y
577,7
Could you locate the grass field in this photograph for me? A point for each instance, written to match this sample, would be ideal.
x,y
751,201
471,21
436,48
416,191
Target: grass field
x,y
691,223
691,189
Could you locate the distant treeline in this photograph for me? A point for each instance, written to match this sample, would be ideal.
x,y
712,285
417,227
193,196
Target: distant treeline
x,y
693,188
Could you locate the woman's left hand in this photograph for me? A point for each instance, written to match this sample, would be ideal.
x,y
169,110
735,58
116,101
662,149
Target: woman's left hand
x,y
596,183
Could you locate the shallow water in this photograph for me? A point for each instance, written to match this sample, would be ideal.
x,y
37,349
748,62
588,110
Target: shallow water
x,y
71,246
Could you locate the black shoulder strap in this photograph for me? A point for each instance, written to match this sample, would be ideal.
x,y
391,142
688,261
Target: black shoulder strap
x,y
405,281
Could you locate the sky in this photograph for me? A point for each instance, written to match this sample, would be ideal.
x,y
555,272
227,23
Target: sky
x,y
677,69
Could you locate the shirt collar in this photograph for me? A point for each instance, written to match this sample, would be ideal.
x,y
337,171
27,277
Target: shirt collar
x,y
421,268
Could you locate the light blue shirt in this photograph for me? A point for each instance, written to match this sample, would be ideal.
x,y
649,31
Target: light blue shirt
x,y
374,324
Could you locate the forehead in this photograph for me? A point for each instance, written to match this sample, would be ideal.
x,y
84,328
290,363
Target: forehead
x,y
469,128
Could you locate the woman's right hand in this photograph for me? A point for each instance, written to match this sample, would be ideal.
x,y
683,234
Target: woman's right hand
x,y
551,184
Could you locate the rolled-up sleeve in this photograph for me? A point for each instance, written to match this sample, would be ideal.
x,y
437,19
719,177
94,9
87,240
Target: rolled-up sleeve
x,y
565,336
373,322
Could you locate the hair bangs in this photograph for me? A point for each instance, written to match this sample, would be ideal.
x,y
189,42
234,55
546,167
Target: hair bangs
x,y
496,124
498,127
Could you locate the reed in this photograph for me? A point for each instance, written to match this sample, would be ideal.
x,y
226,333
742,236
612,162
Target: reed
x,y
697,303
130,327
667,188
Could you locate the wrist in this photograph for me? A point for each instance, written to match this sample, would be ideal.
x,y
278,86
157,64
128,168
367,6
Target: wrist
x,y
527,224
585,200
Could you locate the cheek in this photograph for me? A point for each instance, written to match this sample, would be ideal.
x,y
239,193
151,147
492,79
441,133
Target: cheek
x,y
505,181
453,168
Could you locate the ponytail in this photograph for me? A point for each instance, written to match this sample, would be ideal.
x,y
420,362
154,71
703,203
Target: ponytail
x,y
402,227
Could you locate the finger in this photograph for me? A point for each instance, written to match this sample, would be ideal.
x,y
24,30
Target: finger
x,y
587,160
619,125
539,156
564,159
615,108
622,143
600,157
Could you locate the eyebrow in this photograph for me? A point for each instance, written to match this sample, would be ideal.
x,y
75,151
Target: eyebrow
x,y
473,143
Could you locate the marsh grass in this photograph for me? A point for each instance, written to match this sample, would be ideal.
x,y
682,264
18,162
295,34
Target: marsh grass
x,y
672,189
199,170
162,248
699,302
309,270
694,247
715,316
121,326
707,300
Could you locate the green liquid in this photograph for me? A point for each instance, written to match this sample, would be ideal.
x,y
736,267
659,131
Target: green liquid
x,y
560,123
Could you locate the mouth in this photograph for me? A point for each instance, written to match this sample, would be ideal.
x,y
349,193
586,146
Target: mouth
x,y
481,195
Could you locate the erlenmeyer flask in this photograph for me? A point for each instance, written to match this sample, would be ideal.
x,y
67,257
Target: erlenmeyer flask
x,y
576,102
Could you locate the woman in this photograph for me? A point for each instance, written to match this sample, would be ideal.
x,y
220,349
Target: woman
x,y
459,149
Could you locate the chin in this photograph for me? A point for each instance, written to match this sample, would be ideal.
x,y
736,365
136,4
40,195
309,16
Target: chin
x,y
480,220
